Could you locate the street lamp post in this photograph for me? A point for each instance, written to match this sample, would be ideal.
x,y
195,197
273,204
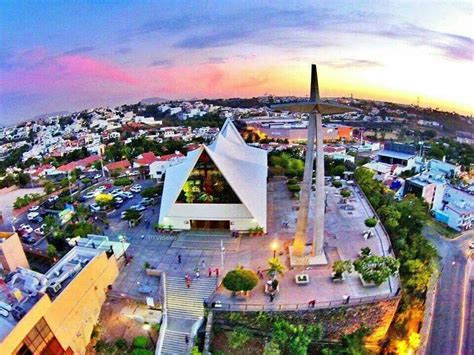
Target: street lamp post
x,y
274,246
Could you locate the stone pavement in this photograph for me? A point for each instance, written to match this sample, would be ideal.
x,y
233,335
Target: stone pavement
x,y
344,239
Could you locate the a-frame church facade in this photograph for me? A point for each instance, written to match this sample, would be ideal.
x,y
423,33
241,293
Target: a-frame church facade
x,y
219,186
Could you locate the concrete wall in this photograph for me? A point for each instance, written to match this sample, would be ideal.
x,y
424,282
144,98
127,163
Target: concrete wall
x,y
181,214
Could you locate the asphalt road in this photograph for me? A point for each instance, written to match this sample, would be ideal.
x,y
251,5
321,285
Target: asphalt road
x,y
450,303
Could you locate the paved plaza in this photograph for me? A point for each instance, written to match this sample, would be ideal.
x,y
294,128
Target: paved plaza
x,y
343,240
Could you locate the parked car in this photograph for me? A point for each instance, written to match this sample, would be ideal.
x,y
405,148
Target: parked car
x,y
118,200
26,228
122,215
136,188
53,198
97,176
146,201
34,208
28,239
40,230
4,312
94,207
126,194
101,188
471,245
138,208
89,195
115,192
37,219
32,215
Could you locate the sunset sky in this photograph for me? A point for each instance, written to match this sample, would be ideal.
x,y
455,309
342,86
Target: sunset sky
x,y
71,55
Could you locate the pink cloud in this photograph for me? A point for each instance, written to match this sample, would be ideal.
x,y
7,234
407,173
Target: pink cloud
x,y
37,72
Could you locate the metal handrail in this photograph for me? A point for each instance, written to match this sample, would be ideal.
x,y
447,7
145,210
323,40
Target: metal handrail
x,y
164,316
301,306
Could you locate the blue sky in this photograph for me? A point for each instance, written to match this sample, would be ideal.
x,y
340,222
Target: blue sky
x,y
65,55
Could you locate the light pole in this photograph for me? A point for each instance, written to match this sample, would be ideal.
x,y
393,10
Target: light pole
x,y
222,255
274,247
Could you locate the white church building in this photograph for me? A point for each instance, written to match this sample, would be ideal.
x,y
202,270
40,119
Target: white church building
x,y
219,186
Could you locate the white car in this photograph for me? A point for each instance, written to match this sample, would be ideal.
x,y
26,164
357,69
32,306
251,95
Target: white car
x,y
136,188
138,208
26,228
32,215
53,198
4,312
122,215
471,245
126,194
89,195
94,207
116,192
118,200
34,208
101,188
39,230
97,176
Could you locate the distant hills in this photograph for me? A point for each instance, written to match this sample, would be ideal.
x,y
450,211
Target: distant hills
x,y
152,100
51,114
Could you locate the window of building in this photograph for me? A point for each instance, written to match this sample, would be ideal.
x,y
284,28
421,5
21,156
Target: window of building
x,y
40,340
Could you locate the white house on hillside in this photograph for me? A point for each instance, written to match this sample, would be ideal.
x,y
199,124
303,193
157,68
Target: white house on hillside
x,y
220,186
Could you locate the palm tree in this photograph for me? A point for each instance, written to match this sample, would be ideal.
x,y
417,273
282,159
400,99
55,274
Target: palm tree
x,y
275,267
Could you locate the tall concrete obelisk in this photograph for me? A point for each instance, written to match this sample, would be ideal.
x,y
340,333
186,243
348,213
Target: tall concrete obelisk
x,y
316,108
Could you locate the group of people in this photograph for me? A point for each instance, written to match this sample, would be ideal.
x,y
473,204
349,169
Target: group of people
x,y
197,273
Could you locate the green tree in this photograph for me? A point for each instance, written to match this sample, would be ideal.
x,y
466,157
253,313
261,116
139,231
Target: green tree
x,y
240,280
295,338
48,187
275,267
104,200
52,251
371,222
141,342
376,269
151,191
132,215
239,337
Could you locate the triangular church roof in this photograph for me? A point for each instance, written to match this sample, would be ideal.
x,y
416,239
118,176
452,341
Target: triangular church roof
x,y
244,167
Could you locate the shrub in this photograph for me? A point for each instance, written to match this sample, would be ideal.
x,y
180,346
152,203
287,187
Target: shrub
x,y
239,337
346,193
376,269
240,280
141,342
151,192
337,184
121,344
123,181
86,181
146,265
52,251
294,188
140,351
341,266
371,222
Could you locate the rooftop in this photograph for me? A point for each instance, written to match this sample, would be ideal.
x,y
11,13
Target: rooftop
x,y
21,289
396,155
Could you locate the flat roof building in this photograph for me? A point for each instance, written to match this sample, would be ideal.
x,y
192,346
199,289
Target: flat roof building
x,y
55,312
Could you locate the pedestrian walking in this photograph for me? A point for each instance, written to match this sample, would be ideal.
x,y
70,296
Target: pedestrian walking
x,y
186,339
311,303
203,264
209,271
272,296
179,258
217,271
198,275
259,273
143,236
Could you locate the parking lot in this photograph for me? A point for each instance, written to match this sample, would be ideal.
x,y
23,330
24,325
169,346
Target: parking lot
x,y
33,239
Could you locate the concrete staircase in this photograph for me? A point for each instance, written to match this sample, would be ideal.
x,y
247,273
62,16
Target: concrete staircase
x,y
185,307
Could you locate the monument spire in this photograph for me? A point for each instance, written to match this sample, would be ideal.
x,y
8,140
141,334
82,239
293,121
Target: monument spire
x,y
299,254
